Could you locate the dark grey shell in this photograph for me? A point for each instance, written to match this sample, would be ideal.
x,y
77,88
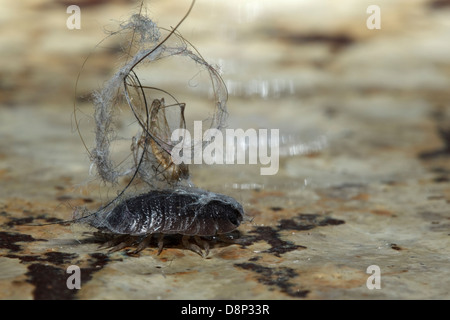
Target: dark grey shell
x,y
189,211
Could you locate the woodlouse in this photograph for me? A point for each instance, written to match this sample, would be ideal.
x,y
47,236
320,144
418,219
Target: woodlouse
x,y
185,211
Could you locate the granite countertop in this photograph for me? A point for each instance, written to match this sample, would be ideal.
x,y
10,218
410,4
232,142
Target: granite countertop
x,y
363,180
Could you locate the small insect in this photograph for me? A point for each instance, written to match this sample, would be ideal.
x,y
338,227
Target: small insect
x,y
189,212
177,207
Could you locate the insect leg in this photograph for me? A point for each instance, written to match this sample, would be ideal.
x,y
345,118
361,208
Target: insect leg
x,y
202,243
143,244
113,242
191,246
125,241
160,243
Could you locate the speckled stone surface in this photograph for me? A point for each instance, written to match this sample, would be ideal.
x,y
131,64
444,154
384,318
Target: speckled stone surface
x,y
376,192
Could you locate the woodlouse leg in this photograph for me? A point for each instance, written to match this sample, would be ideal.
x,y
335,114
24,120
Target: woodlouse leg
x,y
126,243
191,246
160,243
113,242
202,243
143,244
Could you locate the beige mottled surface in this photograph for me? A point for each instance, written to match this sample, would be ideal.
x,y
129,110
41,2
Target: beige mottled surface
x,y
376,193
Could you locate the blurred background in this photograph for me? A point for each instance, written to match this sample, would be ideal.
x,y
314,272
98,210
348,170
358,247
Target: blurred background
x,y
363,114
293,65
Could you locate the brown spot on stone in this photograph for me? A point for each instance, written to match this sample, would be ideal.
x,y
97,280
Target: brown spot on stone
x,y
64,198
271,236
336,41
19,221
57,258
442,152
396,247
382,212
307,221
8,240
439,4
441,179
436,198
346,191
49,282
229,254
276,208
275,277
361,197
